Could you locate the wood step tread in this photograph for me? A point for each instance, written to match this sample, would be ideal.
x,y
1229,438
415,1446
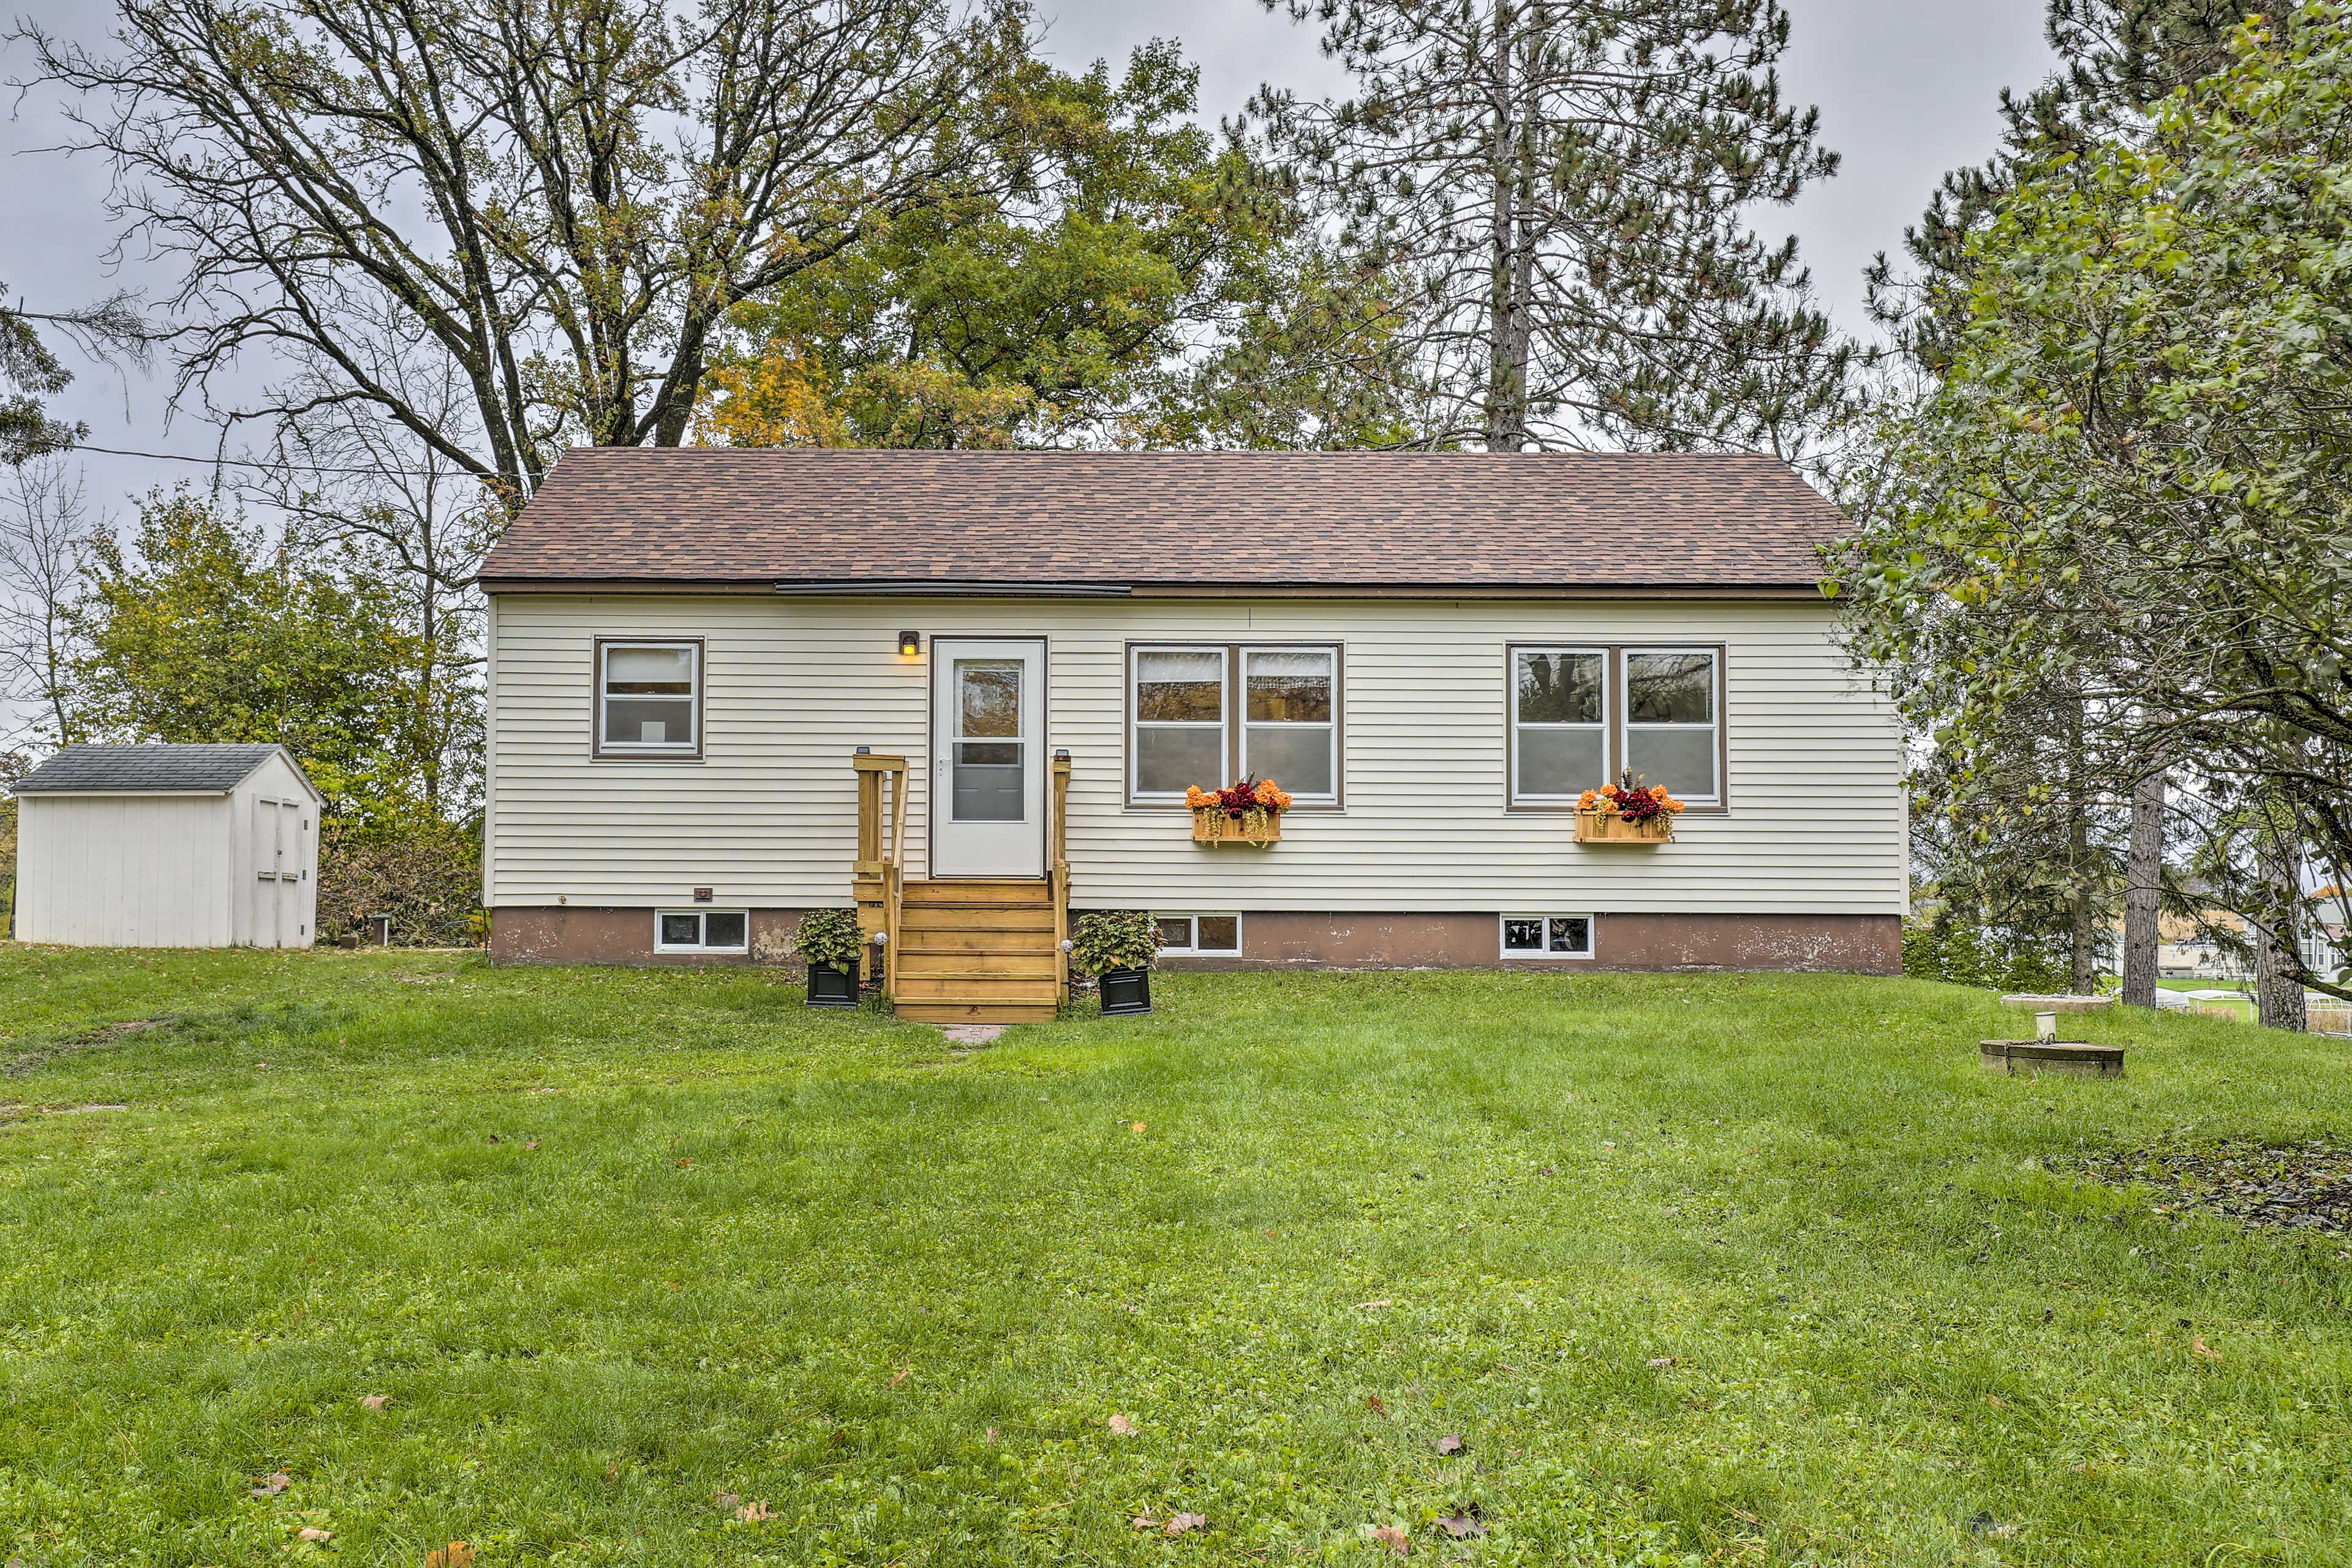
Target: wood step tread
x,y
961,905
976,1012
989,975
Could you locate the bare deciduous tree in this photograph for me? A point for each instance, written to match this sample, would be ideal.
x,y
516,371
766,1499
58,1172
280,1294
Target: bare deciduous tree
x,y
46,532
563,198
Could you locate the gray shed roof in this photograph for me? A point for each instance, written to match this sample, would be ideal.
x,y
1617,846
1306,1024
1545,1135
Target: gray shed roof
x,y
150,770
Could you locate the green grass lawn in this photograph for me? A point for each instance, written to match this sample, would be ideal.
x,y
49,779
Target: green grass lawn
x,y
1723,1269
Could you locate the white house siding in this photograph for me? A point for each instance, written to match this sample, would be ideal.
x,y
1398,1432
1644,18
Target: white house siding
x,y
1816,824
124,870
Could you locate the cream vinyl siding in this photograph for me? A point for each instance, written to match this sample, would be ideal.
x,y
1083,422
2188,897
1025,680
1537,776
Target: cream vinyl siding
x,y
768,818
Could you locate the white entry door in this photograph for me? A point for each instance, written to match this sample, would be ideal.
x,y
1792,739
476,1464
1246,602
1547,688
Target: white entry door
x,y
988,757
281,862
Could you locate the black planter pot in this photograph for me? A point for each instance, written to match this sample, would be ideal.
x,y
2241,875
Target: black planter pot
x,y
831,987
1125,993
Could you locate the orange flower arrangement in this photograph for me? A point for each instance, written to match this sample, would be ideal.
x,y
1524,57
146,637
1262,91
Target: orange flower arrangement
x,y
1632,802
1240,799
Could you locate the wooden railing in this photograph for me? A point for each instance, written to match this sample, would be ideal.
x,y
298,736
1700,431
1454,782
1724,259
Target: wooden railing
x,y
1057,872
878,881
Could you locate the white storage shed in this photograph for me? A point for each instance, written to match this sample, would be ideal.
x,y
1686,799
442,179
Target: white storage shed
x,y
168,846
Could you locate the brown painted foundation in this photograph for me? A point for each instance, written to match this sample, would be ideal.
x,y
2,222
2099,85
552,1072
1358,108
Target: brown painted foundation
x,y
1287,939
572,933
1862,944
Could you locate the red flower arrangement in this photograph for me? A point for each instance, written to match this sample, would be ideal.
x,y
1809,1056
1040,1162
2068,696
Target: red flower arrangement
x,y
1632,802
1239,800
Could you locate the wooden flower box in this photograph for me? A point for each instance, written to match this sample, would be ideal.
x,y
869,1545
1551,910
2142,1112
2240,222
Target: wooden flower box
x,y
1212,825
1608,827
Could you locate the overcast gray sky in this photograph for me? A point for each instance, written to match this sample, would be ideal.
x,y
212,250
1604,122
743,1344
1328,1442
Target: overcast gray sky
x,y
1907,88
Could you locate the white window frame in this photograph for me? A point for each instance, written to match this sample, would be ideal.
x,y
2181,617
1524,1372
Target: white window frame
x,y
1715,733
690,747
1194,922
1135,720
1608,714
1546,955
1330,727
702,925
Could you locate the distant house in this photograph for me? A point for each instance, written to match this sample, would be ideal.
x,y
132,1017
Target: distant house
x,y
167,847
1437,655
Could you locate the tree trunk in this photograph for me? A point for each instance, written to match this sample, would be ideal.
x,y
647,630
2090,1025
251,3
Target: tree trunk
x,y
2082,935
2278,983
1506,363
2141,914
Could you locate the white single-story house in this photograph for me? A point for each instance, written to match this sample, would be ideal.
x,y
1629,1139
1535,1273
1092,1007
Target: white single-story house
x,y
157,846
1037,653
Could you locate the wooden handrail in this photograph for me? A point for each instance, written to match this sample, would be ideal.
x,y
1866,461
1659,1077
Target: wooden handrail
x,y
1058,874
878,879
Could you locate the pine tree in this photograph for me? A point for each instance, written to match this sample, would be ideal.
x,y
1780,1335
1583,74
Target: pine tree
x,y
1562,186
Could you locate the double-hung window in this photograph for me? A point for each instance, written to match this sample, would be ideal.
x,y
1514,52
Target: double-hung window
x,y
1674,721
649,698
1559,723
1206,713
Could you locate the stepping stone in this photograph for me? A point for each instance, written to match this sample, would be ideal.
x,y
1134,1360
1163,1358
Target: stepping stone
x,y
2031,1059
974,1034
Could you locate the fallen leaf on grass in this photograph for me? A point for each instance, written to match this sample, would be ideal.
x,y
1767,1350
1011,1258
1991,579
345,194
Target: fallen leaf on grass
x,y
1121,1426
899,1378
1449,1444
532,1144
1376,1404
989,1437
1183,1523
612,1472
1995,1401
727,1500
456,1554
1395,1540
1461,1524
1657,1362
1367,1306
2201,1348
496,1139
753,1512
1139,1127
272,1484
312,1532
684,1163
374,1401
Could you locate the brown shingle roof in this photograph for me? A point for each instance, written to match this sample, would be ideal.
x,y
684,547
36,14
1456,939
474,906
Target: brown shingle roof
x,y
1181,520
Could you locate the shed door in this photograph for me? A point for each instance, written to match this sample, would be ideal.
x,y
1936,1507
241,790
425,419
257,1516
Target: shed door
x,y
280,869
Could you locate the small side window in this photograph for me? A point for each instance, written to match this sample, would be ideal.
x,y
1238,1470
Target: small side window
x,y
649,699
1547,936
701,931
1200,935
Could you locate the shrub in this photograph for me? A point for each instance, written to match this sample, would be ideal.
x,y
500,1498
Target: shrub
x,y
426,874
829,937
1109,940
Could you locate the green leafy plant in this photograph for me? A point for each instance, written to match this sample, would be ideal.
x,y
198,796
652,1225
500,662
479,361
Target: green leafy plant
x,y
829,937
1116,939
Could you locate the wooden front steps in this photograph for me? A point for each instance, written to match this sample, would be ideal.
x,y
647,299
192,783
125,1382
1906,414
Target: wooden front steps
x,y
977,953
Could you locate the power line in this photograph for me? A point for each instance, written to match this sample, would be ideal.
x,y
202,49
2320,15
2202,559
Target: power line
x,y
259,463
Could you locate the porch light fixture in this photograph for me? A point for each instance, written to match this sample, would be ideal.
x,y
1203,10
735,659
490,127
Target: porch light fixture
x,y
910,644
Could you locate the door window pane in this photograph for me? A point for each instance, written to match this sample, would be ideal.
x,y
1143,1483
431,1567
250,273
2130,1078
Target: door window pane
x,y
988,697
987,785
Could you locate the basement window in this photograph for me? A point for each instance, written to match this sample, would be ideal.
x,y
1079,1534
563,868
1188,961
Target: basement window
x,y
1189,936
1547,936
702,931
